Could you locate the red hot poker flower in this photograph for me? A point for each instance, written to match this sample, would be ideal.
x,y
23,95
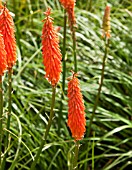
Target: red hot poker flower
x,y
7,30
3,64
106,22
69,6
76,114
50,50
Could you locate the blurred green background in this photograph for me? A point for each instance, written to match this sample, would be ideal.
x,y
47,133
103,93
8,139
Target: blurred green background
x,y
112,125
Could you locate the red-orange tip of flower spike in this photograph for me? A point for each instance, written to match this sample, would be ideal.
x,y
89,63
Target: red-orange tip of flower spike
x,y
69,7
50,50
3,63
8,32
76,114
106,22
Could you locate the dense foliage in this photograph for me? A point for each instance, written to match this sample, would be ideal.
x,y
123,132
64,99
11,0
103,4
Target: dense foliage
x,y
111,139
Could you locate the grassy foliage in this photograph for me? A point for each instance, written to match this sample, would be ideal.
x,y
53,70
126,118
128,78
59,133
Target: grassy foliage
x,y
112,125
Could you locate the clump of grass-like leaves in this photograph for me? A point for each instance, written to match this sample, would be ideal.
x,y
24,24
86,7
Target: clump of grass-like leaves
x,y
31,98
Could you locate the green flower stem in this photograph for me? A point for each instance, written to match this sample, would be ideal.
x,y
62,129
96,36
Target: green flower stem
x,y
47,129
51,113
8,116
17,25
74,49
1,113
93,151
100,86
89,5
75,167
64,52
98,94
64,72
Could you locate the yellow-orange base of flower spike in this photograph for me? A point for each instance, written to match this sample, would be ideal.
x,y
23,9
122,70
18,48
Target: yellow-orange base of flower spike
x,y
50,50
76,114
3,63
106,22
7,30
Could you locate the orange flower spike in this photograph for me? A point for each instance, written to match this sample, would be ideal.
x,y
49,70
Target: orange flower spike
x,y
106,22
50,50
76,114
3,64
7,30
69,7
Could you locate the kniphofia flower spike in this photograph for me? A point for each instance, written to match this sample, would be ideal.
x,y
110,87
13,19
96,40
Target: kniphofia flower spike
x,y
50,50
3,63
76,114
106,22
7,30
69,7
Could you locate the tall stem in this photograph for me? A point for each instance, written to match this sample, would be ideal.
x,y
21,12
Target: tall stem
x,y
8,116
98,94
64,72
75,167
1,113
51,113
74,49
64,52
17,25
100,86
47,129
89,5
93,151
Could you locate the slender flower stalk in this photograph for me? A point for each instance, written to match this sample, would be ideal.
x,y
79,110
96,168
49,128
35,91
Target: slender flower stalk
x,y
98,94
89,5
106,31
106,28
3,66
47,130
52,62
8,32
74,49
100,86
69,6
63,73
64,53
76,152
